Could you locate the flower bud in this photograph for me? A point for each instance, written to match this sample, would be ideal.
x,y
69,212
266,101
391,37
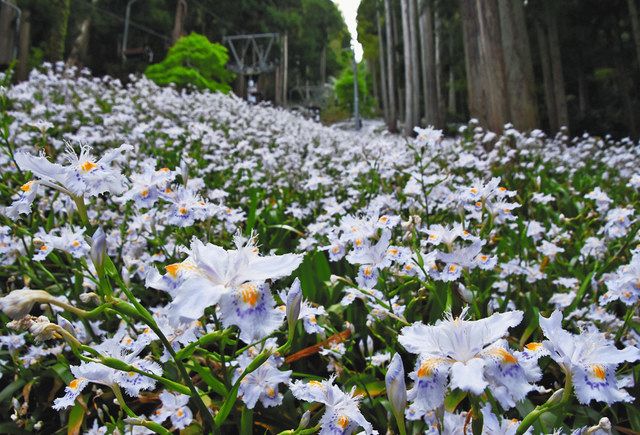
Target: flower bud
x,y
555,397
294,301
465,294
396,388
184,170
603,425
89,297
304,420
18,303
98,247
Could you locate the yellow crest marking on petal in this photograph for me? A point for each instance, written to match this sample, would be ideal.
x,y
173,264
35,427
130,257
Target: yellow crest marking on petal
x,y
533,346
427,367
88,166
26,187
343,422
506,356
599,371
173,269
249,294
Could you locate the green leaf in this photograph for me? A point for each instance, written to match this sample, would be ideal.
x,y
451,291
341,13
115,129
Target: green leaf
x,y
8,391
453,399
251,216
62,371
76,416
11,428
634,417
213,383
288,228
246,421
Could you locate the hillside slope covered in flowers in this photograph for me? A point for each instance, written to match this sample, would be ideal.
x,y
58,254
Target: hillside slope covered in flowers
x,y
184,262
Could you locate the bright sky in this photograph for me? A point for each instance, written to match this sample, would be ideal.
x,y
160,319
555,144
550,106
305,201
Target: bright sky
x,y
349,9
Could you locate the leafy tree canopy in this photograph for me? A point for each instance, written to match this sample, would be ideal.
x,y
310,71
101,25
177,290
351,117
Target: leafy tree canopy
x,y
196,61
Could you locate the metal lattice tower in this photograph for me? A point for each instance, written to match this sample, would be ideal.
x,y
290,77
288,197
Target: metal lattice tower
x,y
251,53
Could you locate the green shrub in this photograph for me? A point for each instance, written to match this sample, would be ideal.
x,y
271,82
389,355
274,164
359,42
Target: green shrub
x,y
343,88
196,61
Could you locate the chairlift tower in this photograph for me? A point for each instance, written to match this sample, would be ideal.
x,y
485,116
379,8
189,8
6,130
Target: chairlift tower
x,y
250,57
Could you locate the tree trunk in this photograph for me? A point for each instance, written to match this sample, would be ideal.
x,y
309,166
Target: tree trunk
x,y
323,65
392,125
556,67
278,86
54,50
484,62
582,95
371,66
78,53
8,15
429,77
635,27
518,66
22,71
383,74
178,21
399,59
415,62
492,64
451,104
409,92
547,78
438,59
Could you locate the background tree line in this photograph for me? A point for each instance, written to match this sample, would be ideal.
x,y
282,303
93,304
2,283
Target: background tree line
x,y
90,33
536,63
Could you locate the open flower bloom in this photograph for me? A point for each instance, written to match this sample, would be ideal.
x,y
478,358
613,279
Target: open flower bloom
x,y
147,186
624,284
211,271
68,239
174,406
251,307
464,354
468,257
186,208
590,358
84,175
342,415
261,384
97,373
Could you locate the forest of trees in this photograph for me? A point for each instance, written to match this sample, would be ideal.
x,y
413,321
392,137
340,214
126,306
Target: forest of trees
x,y
536,63
89,33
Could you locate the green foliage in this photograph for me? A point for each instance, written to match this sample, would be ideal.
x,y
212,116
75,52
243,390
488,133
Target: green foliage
x,y
194,61
343,88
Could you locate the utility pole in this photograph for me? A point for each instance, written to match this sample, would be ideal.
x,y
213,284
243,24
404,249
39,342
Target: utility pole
x,y
356,108
125,37
285,71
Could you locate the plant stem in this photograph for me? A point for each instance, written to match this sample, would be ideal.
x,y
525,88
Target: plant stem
x,y
545,407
